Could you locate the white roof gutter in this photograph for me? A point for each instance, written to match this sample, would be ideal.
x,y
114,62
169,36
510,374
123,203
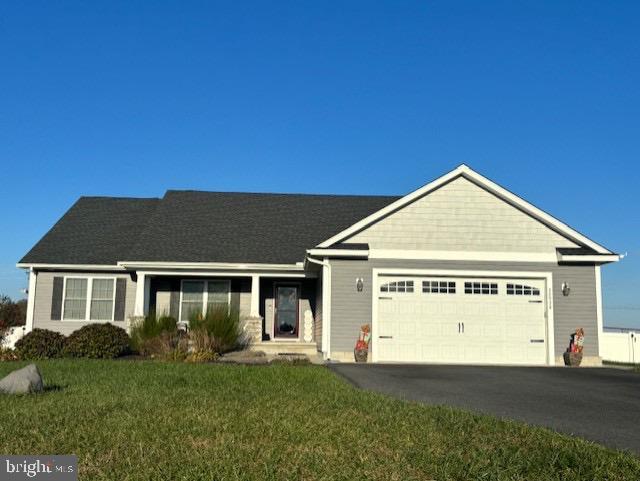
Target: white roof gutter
x,y
602,258
210,265
69,267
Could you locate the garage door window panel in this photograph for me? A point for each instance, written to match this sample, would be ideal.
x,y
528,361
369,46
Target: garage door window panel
x,y
438,287
482,288
522,290
397,286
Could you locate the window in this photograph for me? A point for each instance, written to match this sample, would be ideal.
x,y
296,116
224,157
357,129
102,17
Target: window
x,y
522,290
101,300
75,299
88,298
192,298
217,295
201,296
439,287
397,286
480,288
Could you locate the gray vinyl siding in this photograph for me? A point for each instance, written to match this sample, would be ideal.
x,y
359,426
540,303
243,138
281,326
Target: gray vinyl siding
x,y
350,309
461,215
44,295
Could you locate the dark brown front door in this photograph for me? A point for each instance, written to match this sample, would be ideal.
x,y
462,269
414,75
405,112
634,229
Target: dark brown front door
x,y
286,315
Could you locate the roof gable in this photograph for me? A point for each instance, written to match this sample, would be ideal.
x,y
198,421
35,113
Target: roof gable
x,y
467,174
461,216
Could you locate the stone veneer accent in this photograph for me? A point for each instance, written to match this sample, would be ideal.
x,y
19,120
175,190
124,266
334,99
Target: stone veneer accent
x,y
252,327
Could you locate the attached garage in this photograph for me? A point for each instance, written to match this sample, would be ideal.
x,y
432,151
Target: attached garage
x,y
475,318
461,271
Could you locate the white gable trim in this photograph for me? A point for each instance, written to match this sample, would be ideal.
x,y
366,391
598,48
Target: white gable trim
x,y
594,258
463,255
487,184
338,252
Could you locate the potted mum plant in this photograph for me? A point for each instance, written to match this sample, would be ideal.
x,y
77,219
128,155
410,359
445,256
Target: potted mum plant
x,y
573,354
361,351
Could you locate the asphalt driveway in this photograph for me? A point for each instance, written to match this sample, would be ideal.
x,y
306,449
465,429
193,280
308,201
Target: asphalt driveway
x,y
598,404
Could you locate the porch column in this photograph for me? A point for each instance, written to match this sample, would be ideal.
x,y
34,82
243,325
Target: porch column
x,y
143,288
255,296
31,300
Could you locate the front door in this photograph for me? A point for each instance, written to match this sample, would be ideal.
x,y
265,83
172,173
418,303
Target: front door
x,y
286,312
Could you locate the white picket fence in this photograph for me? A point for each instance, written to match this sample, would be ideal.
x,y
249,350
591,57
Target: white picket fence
x,y
620,347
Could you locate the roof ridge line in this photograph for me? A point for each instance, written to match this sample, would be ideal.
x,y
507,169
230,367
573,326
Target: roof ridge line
x,y
194,191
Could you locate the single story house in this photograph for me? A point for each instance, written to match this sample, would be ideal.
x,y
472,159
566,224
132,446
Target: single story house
x,y
459,271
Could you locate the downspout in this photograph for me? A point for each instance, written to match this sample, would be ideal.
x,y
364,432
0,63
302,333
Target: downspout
x,y
326,305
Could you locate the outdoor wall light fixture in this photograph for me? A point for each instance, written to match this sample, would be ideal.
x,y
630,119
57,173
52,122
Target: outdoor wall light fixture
x,y
565,289
359,284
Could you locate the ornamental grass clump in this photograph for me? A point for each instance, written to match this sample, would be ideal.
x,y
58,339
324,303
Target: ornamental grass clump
x,y
223,328
201,346
168,346
151,327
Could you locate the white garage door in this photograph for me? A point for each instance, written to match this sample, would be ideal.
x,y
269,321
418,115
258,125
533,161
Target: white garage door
x,y
461,320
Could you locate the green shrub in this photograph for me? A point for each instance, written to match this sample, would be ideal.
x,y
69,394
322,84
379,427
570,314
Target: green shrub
x,y
98,341
40,344
150,327
223,328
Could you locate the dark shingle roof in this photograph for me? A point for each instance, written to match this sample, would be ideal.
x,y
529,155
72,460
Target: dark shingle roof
x,y
194,226
96,230
191,226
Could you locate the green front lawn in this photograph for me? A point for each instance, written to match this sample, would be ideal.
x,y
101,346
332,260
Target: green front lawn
x,y
134,420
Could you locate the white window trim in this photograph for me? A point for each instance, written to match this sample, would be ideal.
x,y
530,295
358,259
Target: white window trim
x,y
205,294
546,276
87,312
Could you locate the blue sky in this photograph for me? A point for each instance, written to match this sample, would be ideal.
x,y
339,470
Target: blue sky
x,y
131,98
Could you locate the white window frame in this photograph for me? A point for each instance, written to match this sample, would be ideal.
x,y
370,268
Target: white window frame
x,y
205,294
87,312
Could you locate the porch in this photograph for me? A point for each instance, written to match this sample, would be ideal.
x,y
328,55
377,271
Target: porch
x,y
279,312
